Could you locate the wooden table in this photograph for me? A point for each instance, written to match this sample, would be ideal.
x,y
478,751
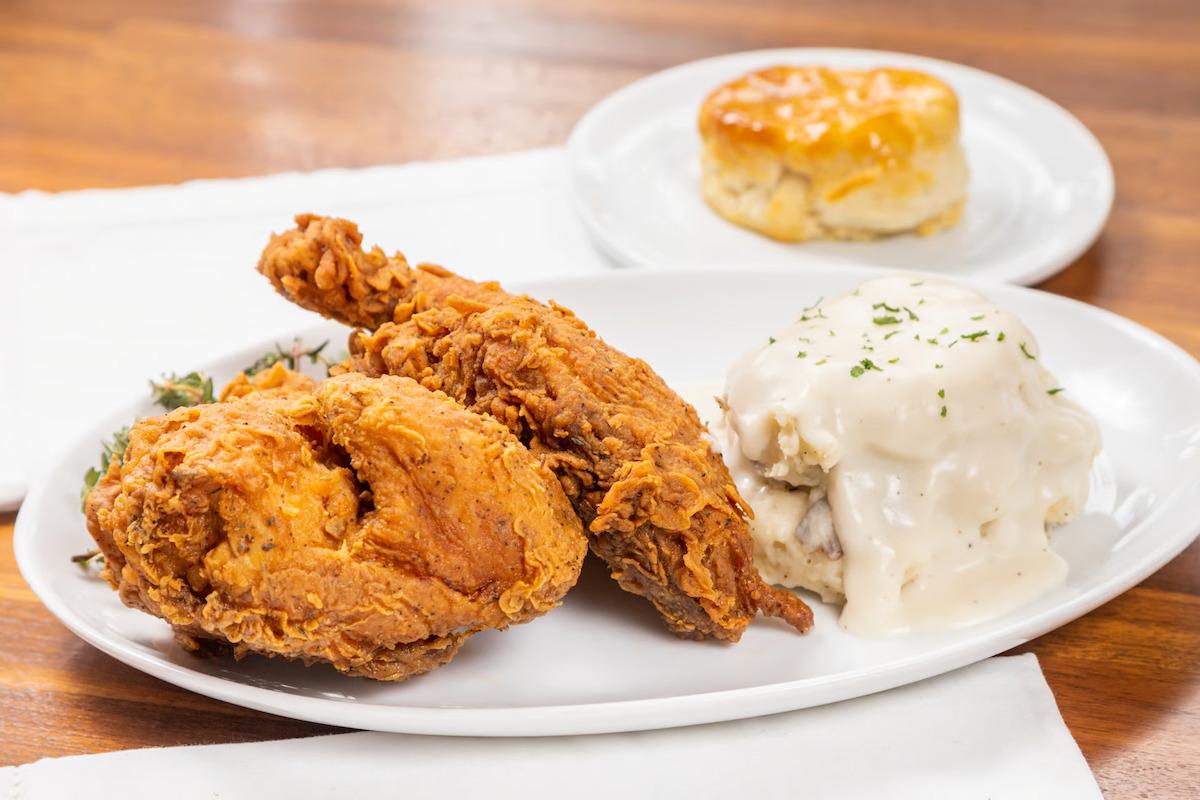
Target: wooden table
x,y
124,92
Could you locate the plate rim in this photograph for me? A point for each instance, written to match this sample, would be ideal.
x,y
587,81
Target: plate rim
x,y
617,247
635,714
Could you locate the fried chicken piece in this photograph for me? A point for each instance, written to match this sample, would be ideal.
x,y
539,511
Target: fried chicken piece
x,y
321,266
367,522
659,505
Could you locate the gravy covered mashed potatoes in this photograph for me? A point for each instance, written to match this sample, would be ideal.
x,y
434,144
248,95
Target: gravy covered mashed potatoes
x,y
800,153
904,450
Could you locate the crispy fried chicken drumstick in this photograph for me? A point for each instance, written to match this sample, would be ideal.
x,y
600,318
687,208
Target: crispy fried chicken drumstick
x,y
658,503
364,522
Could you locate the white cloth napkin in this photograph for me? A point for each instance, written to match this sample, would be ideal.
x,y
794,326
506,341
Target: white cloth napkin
x,y
990,731
103,290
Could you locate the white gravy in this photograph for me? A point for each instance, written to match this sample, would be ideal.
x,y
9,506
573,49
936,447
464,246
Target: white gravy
x,y
943,445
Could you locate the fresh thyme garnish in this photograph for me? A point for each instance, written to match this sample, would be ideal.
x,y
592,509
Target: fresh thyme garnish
x,y
292,357
173,391
112,450
89,560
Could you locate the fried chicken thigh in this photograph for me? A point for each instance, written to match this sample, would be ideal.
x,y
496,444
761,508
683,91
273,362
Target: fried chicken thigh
x,y
659,505
364,522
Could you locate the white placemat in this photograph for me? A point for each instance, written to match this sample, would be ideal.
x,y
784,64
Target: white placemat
x,y
103,290
990,731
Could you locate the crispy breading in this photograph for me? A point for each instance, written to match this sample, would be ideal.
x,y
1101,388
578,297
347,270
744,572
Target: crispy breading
x,y
325,269
659,504
368,523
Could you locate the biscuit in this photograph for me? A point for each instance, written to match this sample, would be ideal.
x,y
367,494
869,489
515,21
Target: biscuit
x,y
800,153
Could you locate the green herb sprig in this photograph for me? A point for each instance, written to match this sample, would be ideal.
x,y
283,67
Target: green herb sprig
x,y
294,355
173,391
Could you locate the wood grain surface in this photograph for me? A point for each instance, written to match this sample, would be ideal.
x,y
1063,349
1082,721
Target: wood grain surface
x,y
112,93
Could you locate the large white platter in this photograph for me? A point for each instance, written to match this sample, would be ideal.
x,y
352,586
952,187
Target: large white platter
x,y
602,662
1041,185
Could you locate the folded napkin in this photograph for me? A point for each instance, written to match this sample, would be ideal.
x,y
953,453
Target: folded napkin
x,y
990,731
106,289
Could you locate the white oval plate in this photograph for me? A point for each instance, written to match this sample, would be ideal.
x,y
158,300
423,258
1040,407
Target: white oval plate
x,y
1041,185
603,662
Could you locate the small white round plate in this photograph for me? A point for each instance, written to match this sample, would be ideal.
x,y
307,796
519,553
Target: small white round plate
x,y
603,661
1040,191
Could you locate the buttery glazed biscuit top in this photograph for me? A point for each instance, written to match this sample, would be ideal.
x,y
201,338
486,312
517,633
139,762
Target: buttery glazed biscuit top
x,y
810,113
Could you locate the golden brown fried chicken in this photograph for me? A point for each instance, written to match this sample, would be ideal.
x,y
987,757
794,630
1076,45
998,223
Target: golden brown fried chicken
x,y
321,266
659,505
367,522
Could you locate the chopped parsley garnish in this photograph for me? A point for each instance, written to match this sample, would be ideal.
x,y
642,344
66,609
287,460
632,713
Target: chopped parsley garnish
x,y
885,307
856,370
1000,336
918,283
770,340
1027,353
911,315
886,320
866,362
942,393
890,335
981,316
814,305
802,354
974,337
1054,391
943,411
